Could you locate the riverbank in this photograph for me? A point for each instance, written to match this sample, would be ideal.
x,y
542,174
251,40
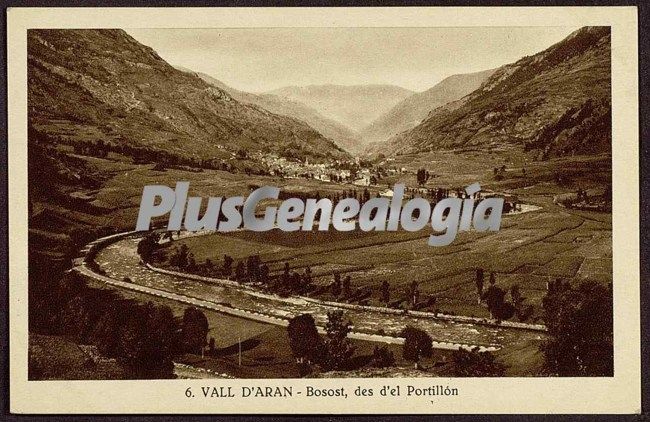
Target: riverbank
x,y
123,264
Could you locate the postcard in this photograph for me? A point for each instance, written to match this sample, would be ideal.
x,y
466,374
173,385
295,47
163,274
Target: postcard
x,y
324,210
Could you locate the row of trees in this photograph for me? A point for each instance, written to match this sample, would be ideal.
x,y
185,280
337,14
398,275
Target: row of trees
x,y
334,351
288,282
142,336
250,270
341,289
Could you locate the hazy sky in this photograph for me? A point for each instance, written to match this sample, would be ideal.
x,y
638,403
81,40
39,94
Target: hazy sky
x,y
261,59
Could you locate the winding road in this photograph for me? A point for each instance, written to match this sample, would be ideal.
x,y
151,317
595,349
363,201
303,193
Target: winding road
x,y
118,257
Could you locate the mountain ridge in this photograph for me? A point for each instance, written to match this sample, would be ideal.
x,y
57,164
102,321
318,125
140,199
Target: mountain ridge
x,y
409,112
557,101
336,132
354,106
86,85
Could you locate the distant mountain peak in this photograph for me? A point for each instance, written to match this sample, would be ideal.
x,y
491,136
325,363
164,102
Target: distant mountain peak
x,y
409,112
354,106
334,131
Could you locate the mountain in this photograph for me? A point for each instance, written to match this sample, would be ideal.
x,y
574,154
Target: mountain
x,y
341,135
409,112
91,85
557,101
354,106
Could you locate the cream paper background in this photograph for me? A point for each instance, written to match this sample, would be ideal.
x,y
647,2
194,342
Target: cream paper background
x,y
619,394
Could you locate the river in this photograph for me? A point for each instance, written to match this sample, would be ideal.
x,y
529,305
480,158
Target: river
x,y
120,260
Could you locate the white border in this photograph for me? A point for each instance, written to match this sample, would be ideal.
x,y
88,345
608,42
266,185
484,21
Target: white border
x,y
620,394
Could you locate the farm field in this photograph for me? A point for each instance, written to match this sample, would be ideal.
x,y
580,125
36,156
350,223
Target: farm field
x,y
530,249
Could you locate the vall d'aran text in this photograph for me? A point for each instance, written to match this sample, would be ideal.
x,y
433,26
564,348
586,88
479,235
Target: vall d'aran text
x,y
226,392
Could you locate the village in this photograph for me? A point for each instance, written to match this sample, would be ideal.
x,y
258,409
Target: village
x,y
357,171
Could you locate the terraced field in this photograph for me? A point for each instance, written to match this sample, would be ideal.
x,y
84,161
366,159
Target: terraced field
x,y
531,249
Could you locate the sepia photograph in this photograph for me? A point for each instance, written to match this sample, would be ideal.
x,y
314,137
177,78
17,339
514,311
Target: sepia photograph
x,y
111,111
223,203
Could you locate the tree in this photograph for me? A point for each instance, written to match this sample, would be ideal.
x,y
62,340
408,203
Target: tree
x,y
107,330
474,363
479,283
515,293
194,330
580,325
336,285
414,293
417,344
385,291
286,276
522,310
346,286
264,273
307,277
77,317
295,282
159,345
382,357
240,272
227,265
337,345
253,268
179,257
141,336
191,262
499,309
147,245
208,266
422,176
304,340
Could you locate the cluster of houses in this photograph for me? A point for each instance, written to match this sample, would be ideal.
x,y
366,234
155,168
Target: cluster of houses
x,y
337,171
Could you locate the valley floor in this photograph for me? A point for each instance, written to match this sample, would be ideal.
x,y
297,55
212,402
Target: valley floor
x,y
530,249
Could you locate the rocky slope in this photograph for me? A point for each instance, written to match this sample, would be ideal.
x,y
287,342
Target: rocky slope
x,y
87,85
412,110
354,106
341,135
557,101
